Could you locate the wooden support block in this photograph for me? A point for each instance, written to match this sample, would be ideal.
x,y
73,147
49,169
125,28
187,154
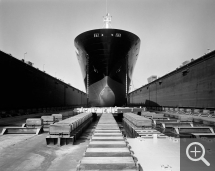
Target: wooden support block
x,y
105,128
110,124
185,118
33,122
48,118
59,141
107,134
107,152
107,131
108,167
107,144
107,160
147,131
107,138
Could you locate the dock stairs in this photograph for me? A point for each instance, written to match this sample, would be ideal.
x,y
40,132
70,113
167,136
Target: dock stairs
x,y
108,149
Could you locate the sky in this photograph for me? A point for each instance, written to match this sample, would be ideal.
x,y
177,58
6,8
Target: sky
x,y
171,32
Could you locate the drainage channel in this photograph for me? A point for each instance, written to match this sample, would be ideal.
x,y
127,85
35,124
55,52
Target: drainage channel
x,y
108,150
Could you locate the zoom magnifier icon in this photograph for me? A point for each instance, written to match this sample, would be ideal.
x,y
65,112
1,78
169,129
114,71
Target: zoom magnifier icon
x,y
198,152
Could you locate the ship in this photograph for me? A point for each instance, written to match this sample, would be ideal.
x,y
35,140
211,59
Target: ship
x,y
107,58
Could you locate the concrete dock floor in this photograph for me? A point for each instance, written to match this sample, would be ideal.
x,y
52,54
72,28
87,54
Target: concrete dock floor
x,y
30,153
155,154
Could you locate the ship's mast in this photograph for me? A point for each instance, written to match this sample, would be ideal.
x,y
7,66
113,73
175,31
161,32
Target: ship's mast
x,y
107,21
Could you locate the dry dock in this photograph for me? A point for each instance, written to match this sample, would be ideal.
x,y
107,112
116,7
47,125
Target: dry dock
x,y
107,144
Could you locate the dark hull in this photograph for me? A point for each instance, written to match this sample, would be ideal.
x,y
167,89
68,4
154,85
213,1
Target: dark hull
x,y
25,87
191,86
107,58
102,95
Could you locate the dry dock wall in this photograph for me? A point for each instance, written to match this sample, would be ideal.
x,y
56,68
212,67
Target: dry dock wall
x,y
24,87
192,86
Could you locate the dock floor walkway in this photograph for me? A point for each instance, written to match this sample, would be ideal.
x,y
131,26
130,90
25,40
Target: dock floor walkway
x,y
107,149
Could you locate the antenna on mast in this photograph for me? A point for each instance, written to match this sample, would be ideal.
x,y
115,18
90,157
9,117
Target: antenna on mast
x,y
107,19
106,6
